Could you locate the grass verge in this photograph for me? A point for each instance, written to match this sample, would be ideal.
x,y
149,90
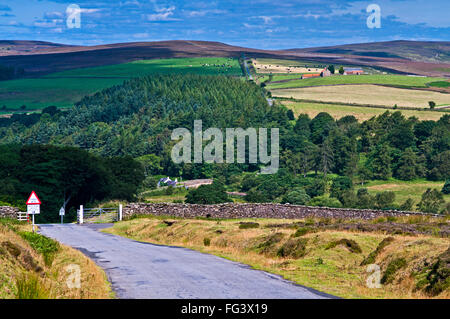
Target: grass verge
x,y
33,266
328,260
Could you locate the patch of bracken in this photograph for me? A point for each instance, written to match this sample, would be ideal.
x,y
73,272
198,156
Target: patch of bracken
x,y
248,225
303,231
269,242
350,244
439,276
294,248
13,249
370,259
394,266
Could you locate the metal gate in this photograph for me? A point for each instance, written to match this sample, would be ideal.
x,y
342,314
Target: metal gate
x,y
99,215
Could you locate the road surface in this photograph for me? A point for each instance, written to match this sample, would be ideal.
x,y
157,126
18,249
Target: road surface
x,y
139,270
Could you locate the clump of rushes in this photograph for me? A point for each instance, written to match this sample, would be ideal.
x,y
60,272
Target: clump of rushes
x,y
295,248
206,241
248,225
350,244
394,266
373,255
29,286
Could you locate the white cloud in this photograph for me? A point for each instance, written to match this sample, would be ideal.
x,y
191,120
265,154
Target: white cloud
x,y
276,30
202,13
53,15
311,15
51,23
82,10
267,20
164,14
252,26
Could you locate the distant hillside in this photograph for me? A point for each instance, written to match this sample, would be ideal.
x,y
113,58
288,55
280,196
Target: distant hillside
x,y
40,58
18,47
418,51
407,57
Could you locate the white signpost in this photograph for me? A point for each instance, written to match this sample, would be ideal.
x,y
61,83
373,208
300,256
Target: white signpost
x,y
62,212
33,205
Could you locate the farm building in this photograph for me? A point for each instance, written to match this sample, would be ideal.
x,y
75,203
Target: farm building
x,y
353,71
310,75
167,181
325,72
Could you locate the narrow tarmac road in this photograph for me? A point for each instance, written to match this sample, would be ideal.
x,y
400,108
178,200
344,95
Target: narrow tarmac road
x,y
139,270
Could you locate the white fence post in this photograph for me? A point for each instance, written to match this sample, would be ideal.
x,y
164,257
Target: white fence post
x,y
120,212
81,214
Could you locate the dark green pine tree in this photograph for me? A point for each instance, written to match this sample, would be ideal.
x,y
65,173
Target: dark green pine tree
x,y
409,166
380,161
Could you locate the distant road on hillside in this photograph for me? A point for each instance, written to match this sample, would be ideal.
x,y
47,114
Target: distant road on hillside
x,y
141,270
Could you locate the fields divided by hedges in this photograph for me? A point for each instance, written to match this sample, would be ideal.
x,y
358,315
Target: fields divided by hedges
x,y
391,80
366,94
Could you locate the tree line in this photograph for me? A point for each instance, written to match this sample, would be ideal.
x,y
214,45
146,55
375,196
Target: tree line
x,y
64,176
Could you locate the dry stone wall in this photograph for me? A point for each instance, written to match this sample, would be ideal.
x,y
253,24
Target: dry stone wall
x,y
8,212
235,210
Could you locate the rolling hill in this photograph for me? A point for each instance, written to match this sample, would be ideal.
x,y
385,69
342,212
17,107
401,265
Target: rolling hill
x,y
38,58
419,51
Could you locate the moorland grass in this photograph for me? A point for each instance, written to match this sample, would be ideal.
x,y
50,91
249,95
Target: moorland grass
x,y
26,272
304,260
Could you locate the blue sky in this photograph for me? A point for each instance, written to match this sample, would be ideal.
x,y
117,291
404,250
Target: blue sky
x,y
265,24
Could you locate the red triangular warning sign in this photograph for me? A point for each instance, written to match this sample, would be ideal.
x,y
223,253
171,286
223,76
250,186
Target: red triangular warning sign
x,y
33,199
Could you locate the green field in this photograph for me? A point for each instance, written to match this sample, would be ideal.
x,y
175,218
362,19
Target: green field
x,y
39,93
405,189
281,77
440,84
360,112
63,89
207,66
393,80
